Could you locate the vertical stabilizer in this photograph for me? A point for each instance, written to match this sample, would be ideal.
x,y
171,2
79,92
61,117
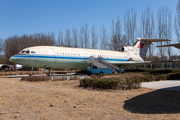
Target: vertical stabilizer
x,y
142,45
142,48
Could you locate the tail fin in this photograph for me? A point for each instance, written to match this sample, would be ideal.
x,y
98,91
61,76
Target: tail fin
x,y
142,45
142,48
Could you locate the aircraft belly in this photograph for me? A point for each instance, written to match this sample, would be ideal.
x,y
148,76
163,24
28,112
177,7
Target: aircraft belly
x,y
44,62
70,63
36,62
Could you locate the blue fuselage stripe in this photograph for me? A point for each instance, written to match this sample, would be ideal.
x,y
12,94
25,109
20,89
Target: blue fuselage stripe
x,y
66,57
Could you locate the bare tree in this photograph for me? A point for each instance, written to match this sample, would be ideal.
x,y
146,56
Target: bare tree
x,y
94,38
116,40
14,44
177,22
104,40
168,31
1,49
50,40
1,45
124,41
68,39
86,36
112,36
60,41
11,46
75,37
160,29
147,21
81,33
148,28
130,26
164,27
118,35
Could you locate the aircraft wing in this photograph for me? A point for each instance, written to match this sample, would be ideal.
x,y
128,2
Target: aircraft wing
x,y
176,60
170,45
134,63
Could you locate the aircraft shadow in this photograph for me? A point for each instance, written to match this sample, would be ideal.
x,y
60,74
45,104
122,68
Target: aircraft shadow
x,y
156,102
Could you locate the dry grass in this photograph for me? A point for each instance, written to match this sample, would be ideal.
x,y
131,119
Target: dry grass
x,y
64,100
35,78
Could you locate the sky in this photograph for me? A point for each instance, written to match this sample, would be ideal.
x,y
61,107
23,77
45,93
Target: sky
x,y
18,17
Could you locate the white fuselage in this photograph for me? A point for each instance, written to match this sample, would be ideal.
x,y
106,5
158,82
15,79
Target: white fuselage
x,y
66,57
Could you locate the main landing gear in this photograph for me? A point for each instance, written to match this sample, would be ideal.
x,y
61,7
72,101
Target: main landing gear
x,y
48,72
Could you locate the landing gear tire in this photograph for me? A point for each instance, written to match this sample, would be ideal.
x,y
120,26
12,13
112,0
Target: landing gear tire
x,y
89,73
101,73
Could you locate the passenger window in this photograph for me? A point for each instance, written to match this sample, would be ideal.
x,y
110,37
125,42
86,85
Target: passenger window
x,y
27,52
23,51
33,52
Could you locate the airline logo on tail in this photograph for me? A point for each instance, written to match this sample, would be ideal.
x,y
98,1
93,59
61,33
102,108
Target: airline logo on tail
x,y
141,45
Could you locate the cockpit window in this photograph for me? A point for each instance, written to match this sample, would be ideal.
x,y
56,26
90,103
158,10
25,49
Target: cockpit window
x,y
33,52
27,51
22,51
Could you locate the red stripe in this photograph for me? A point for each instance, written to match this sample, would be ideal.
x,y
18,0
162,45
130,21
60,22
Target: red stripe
x,y
141,45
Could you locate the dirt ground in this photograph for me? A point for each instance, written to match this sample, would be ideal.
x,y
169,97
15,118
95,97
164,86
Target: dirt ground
x,y
57,100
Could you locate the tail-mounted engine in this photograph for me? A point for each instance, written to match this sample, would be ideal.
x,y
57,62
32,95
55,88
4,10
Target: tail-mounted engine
x,y
130,49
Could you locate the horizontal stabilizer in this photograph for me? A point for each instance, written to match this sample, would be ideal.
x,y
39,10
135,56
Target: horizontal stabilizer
x,y
152,40
170,45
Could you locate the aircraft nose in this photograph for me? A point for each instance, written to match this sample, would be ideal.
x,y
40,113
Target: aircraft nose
x,y
12,59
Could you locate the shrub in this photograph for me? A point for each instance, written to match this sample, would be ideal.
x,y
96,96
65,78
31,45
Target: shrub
x,y
110,83
161,77
174,76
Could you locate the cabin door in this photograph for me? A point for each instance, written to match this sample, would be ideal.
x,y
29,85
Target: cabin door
x,y
52,58
51,51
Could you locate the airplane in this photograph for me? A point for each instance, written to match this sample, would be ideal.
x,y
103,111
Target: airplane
x,y
17,66
6,66
53,57
3,66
